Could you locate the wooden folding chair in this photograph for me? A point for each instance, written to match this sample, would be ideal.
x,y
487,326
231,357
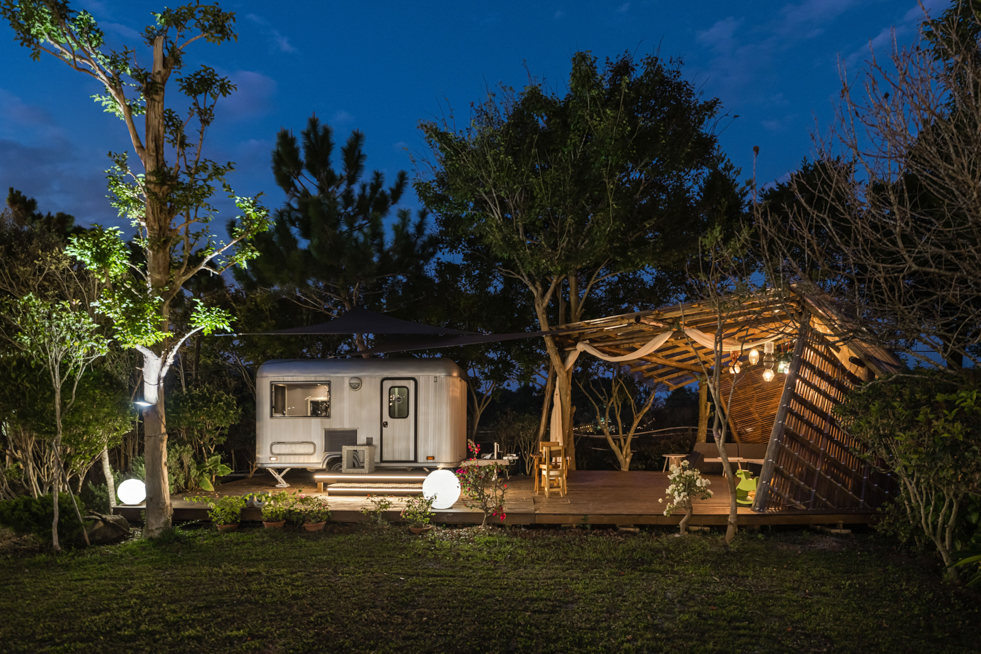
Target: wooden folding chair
x,y
536,462
553,467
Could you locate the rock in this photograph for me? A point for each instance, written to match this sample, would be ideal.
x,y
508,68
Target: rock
x,y
105,529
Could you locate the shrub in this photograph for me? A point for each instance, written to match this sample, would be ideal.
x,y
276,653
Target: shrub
x,y
418,510
483,487
926,430
28,515
223,510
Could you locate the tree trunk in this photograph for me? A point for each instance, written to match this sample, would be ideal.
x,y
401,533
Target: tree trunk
x,y
158,507
547,402
110,480
703,412
54,497
683,525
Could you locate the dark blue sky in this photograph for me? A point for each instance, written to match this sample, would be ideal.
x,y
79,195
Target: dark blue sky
x,y
383,66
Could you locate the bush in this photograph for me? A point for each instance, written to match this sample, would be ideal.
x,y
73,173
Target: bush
x,y
925,429
27,515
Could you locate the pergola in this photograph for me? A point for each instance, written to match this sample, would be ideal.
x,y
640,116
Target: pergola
x,y
810,462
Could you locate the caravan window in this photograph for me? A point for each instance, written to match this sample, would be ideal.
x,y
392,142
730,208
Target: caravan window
x,y
398,402
303,399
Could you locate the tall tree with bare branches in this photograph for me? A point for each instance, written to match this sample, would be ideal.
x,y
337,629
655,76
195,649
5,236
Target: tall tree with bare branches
x,y
168,201
887,219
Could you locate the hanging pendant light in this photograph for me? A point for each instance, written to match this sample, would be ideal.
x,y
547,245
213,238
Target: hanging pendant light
x,y
754,357
768,362
734,367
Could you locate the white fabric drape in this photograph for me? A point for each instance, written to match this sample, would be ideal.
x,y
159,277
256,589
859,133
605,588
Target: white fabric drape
x,y
651,346
728,344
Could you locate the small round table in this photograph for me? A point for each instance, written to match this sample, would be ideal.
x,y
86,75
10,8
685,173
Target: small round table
x,y
671,460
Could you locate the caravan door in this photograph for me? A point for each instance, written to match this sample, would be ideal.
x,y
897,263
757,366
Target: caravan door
x,y
398,417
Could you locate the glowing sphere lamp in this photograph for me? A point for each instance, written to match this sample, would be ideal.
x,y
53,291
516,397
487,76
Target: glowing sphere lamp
x,y
442,487
131,491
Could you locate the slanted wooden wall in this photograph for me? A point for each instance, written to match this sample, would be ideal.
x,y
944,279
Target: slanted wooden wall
x,y
810,464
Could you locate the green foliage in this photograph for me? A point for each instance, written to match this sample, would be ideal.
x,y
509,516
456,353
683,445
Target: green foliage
x,y
29,515
418,510
201,416
926,430
483,487
185,472
602,178
309,509
376,514
276,507
226,510
329,241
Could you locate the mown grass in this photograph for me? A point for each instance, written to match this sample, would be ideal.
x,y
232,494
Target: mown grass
x,y
357,589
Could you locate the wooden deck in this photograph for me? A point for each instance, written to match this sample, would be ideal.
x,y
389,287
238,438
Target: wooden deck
x,y
594,497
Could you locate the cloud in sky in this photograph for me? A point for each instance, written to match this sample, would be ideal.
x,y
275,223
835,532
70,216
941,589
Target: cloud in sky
x,y
341,117
280,42
132,36
253,95
60,178
719,37
25,122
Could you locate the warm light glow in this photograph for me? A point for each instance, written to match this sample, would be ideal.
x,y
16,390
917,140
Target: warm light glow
x,y
131,491
768,375
734,368
754,357
442,487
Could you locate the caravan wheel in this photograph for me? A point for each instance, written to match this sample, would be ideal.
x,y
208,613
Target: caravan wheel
x,y
335,465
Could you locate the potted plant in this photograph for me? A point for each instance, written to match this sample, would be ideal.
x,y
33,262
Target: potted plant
x,y
313,511
225,512
275,509
418,513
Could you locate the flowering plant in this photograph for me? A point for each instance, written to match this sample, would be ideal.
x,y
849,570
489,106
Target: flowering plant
x,y
276,507
686,484
376,514
418,511
483,487
307,508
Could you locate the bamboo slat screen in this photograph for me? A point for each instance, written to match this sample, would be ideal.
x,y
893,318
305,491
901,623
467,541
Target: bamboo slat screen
x,y
814,467
754,404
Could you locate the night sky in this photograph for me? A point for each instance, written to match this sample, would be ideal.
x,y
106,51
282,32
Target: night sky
x,y
381,67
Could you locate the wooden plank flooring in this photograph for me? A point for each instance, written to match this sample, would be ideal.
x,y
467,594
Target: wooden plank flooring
x,y
595,497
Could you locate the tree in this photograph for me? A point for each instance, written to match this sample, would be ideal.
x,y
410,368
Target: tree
x,y
64,341
886,221
618,413
566,194
924,429
721,278
169,202
328,245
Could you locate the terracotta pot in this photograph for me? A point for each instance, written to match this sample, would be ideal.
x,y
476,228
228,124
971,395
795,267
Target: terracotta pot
x,y
314,526
420,530
274,525
228,527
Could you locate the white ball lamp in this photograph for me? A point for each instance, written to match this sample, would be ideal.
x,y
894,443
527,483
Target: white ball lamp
x,y
131,491
442,487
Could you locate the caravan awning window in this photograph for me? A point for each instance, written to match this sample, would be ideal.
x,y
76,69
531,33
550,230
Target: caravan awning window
x,y
301,400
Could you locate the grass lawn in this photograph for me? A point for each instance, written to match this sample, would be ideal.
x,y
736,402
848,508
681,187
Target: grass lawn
x,y
359,589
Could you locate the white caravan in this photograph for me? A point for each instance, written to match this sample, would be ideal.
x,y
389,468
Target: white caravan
x,y
414,411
